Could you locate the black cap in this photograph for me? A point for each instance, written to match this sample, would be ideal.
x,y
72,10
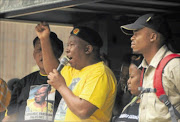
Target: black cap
x,y
153,21
89,35
57,44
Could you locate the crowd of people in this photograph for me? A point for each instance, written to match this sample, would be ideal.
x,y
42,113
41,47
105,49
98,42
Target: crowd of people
x,y
87,90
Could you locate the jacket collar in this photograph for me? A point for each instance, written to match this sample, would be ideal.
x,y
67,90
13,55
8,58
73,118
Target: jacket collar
x,y
156,59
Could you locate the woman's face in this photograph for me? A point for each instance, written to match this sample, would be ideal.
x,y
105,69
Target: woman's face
x,y
134,79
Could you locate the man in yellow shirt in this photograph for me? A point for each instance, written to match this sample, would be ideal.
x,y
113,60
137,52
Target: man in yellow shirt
x,y
88,86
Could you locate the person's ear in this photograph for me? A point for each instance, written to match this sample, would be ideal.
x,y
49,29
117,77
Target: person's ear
x,y
88,49
153,36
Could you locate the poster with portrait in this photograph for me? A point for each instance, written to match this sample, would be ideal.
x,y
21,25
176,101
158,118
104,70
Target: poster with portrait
x,y
40,103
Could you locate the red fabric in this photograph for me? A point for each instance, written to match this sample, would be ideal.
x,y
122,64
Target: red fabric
x,y
142,76
158,74
157,83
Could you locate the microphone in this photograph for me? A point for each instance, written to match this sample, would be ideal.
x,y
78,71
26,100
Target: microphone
x,y
63,62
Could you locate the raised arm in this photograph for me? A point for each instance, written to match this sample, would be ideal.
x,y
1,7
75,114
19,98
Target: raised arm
x,y
50,62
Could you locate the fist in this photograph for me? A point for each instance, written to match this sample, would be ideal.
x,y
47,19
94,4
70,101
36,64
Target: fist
x,y
42,30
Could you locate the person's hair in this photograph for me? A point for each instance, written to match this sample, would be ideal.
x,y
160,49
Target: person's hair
x,y
136,59
56,43
105,58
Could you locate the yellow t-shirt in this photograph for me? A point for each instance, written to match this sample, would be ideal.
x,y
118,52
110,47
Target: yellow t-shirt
x,y
95,83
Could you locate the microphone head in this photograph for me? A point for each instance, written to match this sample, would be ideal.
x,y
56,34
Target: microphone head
x,y
64,60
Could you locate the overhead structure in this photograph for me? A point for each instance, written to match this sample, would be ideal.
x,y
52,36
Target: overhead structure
x,y
75,11
105,16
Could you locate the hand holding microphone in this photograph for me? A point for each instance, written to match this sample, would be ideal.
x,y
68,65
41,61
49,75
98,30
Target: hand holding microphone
x,y
55,79
63,62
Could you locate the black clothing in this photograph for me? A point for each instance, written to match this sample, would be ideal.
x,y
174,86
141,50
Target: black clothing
x,y
20,94
2,115
130,114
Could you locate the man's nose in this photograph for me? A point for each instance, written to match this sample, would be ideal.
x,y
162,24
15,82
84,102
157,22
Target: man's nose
x,y
128,82
132,38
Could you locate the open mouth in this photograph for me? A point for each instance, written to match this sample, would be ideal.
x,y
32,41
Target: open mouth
x,y
41,60
69,57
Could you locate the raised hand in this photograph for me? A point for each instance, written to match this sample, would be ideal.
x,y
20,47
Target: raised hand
x,y
43,30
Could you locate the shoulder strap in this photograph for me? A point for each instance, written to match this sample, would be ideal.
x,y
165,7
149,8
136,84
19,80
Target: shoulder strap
x,y
160,93
158,74
158,86
130,103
